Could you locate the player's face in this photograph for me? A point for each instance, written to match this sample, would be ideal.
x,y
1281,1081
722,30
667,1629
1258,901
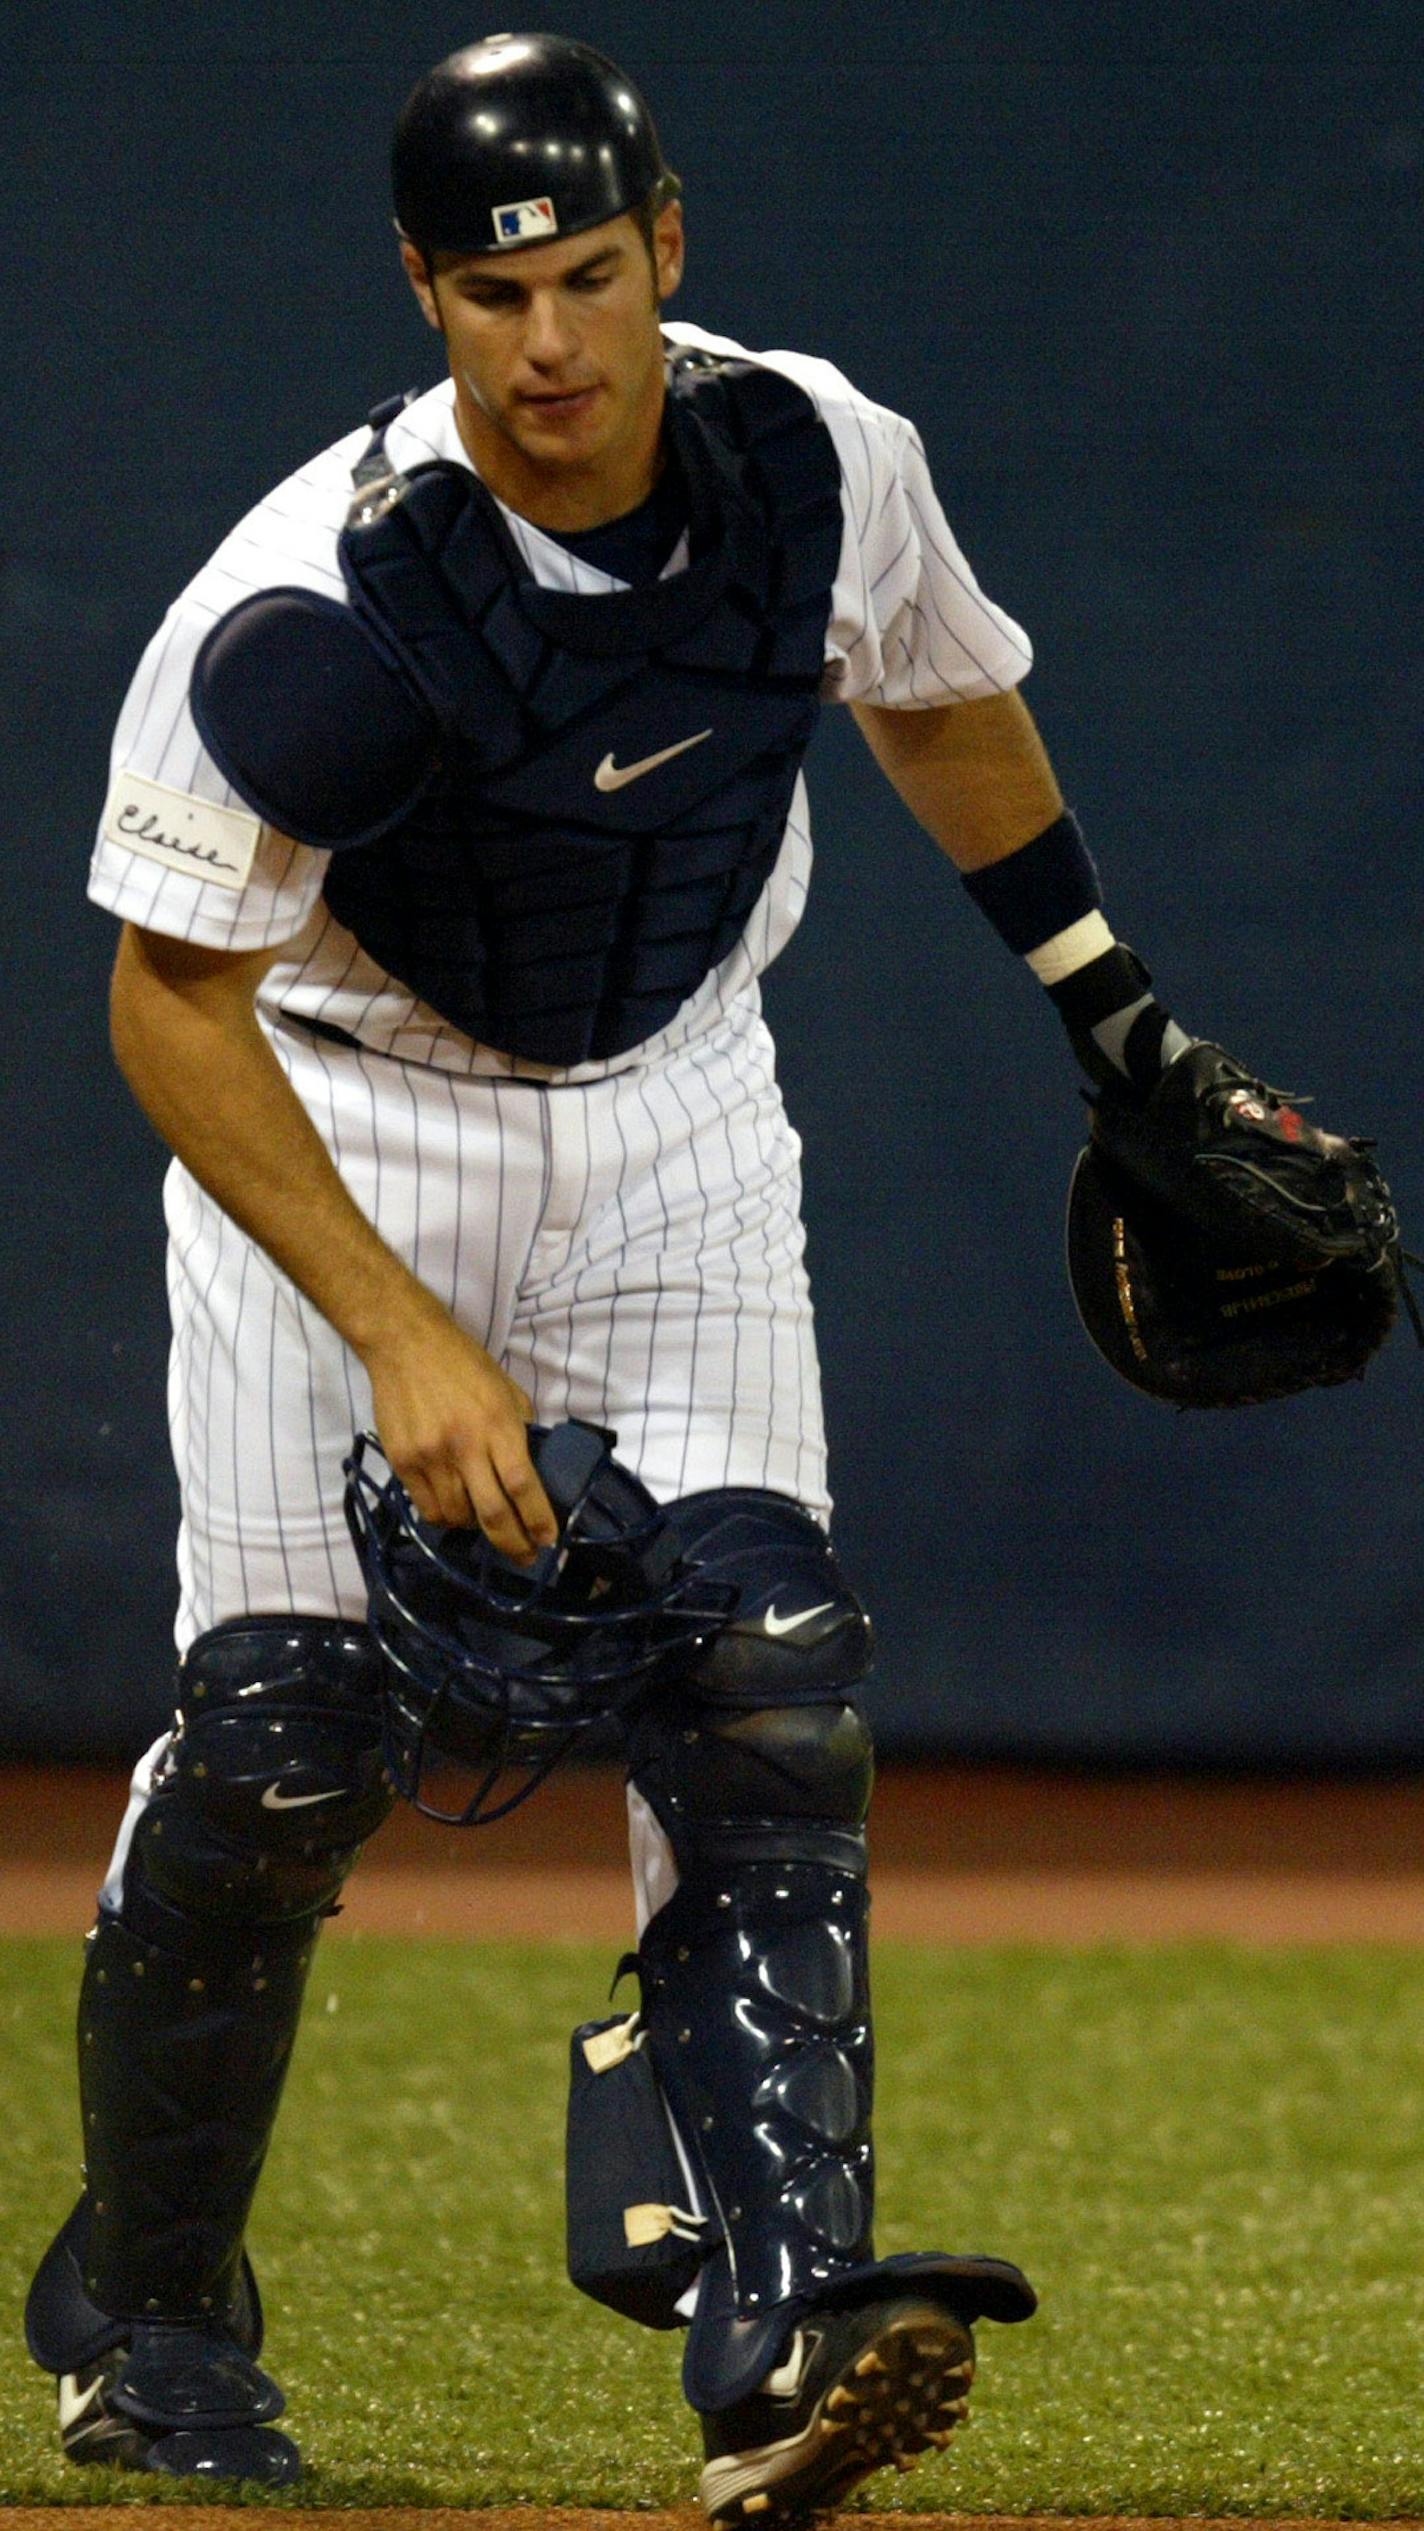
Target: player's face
x,y
557,359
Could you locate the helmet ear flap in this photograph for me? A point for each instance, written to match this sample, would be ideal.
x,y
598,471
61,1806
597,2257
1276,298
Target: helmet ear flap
x,y
600,1504
569,1458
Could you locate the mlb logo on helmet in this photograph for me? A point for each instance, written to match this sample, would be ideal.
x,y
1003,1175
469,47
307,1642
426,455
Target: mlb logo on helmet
x,y
525,219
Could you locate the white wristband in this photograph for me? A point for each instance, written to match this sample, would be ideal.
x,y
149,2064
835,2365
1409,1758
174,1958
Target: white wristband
x,y
1069,950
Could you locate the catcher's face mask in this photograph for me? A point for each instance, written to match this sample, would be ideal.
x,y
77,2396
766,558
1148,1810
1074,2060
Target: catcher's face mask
x,y
492,1668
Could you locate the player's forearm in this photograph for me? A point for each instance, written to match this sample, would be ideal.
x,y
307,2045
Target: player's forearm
x,y
186,1037
976,775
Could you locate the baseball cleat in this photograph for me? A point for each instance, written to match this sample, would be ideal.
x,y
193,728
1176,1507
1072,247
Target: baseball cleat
x,y
859,2390
102,2419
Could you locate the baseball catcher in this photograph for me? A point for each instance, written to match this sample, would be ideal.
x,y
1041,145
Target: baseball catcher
x,y
456,811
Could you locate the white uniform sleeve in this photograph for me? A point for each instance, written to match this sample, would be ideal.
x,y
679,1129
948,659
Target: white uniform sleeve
x,y
155,739
273,884
910,626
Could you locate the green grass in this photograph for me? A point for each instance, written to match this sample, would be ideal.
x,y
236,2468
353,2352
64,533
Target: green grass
x,y
1211,2163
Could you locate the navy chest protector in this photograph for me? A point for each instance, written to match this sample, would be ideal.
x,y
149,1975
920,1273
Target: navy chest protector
x,y
549,815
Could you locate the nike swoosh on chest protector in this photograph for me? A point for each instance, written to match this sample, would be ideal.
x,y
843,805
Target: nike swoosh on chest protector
x,y
612,777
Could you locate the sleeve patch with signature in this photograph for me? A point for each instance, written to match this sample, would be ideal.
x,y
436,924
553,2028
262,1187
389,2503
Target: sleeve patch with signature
x,y
211,843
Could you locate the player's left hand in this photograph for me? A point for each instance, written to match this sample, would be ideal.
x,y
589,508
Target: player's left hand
x,y
1239,1160
1222,1251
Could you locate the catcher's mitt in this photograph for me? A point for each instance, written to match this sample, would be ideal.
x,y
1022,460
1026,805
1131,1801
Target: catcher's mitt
x,y
1222,1251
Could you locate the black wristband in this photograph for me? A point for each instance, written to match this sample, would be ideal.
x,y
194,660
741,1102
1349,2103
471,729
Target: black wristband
x,y
1035,893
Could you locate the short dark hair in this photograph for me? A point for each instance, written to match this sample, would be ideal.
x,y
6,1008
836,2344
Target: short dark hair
x,y
667,189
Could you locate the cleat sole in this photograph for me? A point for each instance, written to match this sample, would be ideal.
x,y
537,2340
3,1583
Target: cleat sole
x,y
903,2396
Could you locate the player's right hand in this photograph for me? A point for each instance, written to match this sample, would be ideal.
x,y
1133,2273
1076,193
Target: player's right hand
x,y
454,1427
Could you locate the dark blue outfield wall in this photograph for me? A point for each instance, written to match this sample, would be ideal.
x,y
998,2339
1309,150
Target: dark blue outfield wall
x,y
1147,279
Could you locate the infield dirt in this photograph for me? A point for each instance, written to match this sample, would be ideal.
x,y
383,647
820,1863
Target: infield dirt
x,y
958,1855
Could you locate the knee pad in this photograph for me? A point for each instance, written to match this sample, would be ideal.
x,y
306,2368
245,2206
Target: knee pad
x,y
760,1750
797,1632
272,1783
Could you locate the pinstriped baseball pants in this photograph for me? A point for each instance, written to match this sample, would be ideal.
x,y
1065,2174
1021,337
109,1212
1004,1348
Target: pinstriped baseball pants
x,y
630,1249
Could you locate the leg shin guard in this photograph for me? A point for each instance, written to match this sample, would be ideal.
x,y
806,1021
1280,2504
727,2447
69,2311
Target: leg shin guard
x,y
757,2004
757,2001
193,1983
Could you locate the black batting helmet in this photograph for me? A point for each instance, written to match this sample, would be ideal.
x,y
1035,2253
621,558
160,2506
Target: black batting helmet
x,y
523,137
495,1671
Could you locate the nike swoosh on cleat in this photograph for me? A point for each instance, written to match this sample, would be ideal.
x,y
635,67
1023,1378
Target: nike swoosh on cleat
x,y
73,2402
274,1799
800,1617
784,2380
612,777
